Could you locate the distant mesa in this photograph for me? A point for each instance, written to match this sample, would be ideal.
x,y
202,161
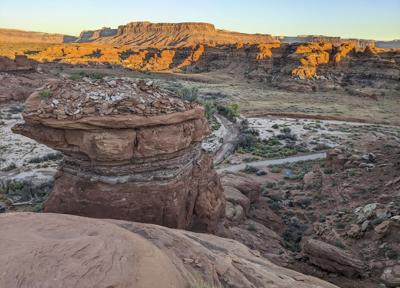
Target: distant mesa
x,y
157,35
143,34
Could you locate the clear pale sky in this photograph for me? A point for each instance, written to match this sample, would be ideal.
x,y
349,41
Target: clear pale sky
x,y
370,19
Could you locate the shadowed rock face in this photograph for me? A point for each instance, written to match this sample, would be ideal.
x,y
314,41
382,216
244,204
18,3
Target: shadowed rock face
x,y
131,151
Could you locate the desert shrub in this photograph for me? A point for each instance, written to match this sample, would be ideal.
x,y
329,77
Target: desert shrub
x,y
251,227
230,111
250,169
276,169
275,205
340,225
45,94
250,159
391,254
247,139
305,202
75,76
95,76
188,93
209,109
268,185
95,54
38,208
285,130
293,235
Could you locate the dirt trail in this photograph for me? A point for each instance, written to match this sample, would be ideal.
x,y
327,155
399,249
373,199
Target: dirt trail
x,y
263,163
317,117
231,138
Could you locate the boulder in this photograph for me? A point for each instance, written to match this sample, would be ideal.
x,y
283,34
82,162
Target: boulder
x,y
243,183
332,258
234,196
391,276
55,250
234,212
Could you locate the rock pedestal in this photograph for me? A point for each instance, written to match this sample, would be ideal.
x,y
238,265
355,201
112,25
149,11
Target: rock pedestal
x,y
132,152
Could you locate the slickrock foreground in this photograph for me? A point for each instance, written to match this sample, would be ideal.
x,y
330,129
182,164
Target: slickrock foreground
x,y
132,152
54,250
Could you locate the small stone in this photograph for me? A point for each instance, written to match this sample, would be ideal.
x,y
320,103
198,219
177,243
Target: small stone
x,y
365,225
141,107
188,260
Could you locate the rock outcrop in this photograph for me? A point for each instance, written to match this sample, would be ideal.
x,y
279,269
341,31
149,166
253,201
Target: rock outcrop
x,y
18,86
132,152
54,250
158,35
20,63
332,259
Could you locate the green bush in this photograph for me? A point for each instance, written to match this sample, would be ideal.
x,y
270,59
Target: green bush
x,y
230,111
268,185
75,76
45,94
276,169
188,93
250,169
209,109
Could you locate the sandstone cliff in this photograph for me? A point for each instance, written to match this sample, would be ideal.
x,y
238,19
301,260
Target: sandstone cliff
x,y
143,35
146,34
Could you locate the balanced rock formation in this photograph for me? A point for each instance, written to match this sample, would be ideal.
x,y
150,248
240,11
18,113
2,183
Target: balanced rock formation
x,y
132,151
54,250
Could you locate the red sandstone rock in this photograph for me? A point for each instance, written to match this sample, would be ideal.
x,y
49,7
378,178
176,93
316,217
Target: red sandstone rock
x,y
333,259
54,250
144,164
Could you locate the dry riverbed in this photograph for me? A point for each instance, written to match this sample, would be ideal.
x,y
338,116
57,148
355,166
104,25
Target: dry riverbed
x,y
276,138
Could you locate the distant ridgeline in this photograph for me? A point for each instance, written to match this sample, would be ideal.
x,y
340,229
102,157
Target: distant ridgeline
x,y
200,47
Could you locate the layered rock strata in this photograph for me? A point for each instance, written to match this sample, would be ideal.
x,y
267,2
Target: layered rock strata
x,y
132,152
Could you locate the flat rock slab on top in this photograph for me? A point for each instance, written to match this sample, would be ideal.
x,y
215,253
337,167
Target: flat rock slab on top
x,y
76,99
